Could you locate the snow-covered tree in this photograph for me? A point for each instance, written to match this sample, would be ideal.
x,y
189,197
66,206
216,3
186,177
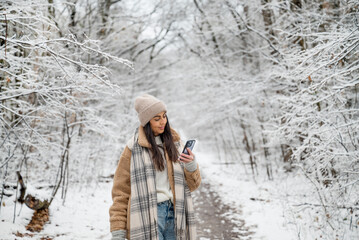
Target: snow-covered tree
x,y
53,99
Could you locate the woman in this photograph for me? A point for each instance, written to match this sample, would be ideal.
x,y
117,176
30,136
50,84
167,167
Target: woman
x,y
152,183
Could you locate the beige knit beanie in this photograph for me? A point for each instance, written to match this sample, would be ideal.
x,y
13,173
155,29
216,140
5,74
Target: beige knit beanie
x,y
147,107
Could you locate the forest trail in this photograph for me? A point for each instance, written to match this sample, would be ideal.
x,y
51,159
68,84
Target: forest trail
x,y
215,219
85,216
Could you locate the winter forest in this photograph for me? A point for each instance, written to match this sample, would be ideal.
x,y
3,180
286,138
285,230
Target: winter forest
x,y
268,88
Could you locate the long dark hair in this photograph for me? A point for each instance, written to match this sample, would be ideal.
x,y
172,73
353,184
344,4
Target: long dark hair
x,y
168,144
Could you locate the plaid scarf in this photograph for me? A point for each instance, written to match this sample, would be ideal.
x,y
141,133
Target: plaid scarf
x,y
143,216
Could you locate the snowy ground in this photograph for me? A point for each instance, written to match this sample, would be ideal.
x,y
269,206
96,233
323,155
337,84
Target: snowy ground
x,y
85,213
266,209
83,216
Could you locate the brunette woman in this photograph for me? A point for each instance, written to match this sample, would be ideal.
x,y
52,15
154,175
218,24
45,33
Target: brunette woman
x,y
153,181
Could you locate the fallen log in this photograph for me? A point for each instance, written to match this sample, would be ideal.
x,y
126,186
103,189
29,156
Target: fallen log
x,y
41,214
36,204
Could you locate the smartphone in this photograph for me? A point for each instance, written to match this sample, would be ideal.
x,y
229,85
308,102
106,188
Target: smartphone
x,y
189,144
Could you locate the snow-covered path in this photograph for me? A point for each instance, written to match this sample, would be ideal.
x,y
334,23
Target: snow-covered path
x,y
223,207
85,216
215,219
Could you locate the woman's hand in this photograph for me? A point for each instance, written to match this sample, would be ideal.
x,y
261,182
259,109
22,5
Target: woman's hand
x,y
187,158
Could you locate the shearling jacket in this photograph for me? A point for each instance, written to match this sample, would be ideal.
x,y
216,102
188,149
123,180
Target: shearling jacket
x,y
121,190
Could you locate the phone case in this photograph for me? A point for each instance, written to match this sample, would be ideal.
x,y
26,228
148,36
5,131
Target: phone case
x,y
189,144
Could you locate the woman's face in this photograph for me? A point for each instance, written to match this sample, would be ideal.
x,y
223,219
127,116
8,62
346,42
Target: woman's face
x,y
158,123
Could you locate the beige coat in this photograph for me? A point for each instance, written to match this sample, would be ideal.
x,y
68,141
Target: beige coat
x,y
121,190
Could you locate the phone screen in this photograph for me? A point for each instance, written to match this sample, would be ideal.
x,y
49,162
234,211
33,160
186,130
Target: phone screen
x,y
189,144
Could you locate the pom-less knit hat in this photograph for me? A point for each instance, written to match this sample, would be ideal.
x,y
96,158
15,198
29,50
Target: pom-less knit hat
x,y
147,107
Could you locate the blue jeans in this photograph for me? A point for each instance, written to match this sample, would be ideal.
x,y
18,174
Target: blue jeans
x,y
166,223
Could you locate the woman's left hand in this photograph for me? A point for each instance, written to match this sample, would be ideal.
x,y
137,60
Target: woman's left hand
x,y
187,158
